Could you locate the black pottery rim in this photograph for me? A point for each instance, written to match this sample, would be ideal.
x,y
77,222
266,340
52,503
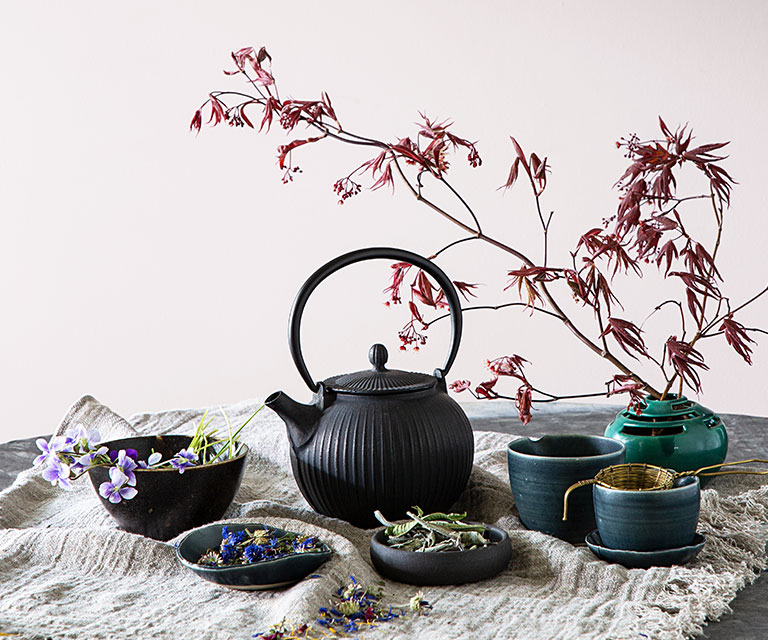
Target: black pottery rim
x,y
566,459
325,551
210,465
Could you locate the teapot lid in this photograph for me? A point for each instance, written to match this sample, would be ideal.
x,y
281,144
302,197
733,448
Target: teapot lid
x,y
379,380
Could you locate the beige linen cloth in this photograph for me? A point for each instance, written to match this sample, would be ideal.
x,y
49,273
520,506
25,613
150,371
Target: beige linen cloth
x,y
66,571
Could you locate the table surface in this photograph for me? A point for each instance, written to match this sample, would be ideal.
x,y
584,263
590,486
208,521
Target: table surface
x,y
749,619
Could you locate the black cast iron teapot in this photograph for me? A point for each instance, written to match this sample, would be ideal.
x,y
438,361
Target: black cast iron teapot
x,y
377,439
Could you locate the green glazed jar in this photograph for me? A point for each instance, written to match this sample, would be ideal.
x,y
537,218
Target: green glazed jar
x,y
675,433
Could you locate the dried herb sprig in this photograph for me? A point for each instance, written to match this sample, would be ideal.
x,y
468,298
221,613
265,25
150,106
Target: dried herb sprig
x,y
353,608
247,547
434,532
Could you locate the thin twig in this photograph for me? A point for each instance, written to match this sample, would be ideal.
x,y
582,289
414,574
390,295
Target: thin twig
x,y
448,246
489,307
677,201
464,202
554,398
700,323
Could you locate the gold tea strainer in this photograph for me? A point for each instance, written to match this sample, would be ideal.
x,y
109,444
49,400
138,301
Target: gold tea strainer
x,y
634,476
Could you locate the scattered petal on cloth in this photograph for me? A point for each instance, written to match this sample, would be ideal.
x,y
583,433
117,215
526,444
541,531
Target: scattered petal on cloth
x,y
66,571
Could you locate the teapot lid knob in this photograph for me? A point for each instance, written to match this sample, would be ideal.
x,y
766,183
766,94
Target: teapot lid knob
x,y
378,356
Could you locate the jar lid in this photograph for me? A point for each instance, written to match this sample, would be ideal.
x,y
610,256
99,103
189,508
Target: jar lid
x,y
379,380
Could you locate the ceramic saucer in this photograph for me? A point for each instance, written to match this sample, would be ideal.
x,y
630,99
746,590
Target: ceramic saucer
x,y
645,559
266,574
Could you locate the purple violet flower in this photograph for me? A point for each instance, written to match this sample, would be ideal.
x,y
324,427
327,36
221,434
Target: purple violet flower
x,y
183,459
116,490
57,473
85,461
57,444
47,454
63,444
131,453
153,460
85,438
126,464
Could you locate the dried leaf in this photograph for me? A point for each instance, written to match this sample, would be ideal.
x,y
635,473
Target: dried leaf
x,y
736,336
627,335
684,359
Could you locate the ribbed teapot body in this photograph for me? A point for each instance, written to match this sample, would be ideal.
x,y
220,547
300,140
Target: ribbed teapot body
x,y
385,452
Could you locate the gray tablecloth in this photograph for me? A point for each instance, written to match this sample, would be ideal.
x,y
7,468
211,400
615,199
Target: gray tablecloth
x,y
66,571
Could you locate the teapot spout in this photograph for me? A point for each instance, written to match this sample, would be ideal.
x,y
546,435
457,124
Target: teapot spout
x,y
300,419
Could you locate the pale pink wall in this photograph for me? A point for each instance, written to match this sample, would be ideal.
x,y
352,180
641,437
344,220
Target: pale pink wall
x,y
154,269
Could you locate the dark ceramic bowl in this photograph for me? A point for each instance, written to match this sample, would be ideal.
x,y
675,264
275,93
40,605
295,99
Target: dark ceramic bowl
x,y
168,502
268,574
442,567
645,559
541,469
648,520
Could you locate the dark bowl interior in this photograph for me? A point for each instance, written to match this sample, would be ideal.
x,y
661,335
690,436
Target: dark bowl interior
x,y
442,567
168,502
566,446
267,574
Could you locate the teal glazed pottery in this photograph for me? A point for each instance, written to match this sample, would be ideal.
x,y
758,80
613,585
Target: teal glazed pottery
x,y
540,471
674,434
649,520
645,559
168,502
266,574
442,567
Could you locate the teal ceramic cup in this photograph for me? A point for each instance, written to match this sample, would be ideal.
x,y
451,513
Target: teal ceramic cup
x,y
647,520
540,471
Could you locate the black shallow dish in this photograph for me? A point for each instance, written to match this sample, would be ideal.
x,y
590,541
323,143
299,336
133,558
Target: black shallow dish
x,y
645,559
267,574
442,567
168,502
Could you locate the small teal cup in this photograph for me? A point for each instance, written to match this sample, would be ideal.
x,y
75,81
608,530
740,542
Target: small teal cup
x,y
540,471
647,520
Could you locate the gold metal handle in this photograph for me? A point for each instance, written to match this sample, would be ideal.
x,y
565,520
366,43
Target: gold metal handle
x,y
749,472
573,487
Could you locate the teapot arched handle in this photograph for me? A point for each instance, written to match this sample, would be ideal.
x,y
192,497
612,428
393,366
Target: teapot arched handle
x,y
452,298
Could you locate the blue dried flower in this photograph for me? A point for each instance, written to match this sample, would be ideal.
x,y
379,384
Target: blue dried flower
x,y
238,536
253,553
228,551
